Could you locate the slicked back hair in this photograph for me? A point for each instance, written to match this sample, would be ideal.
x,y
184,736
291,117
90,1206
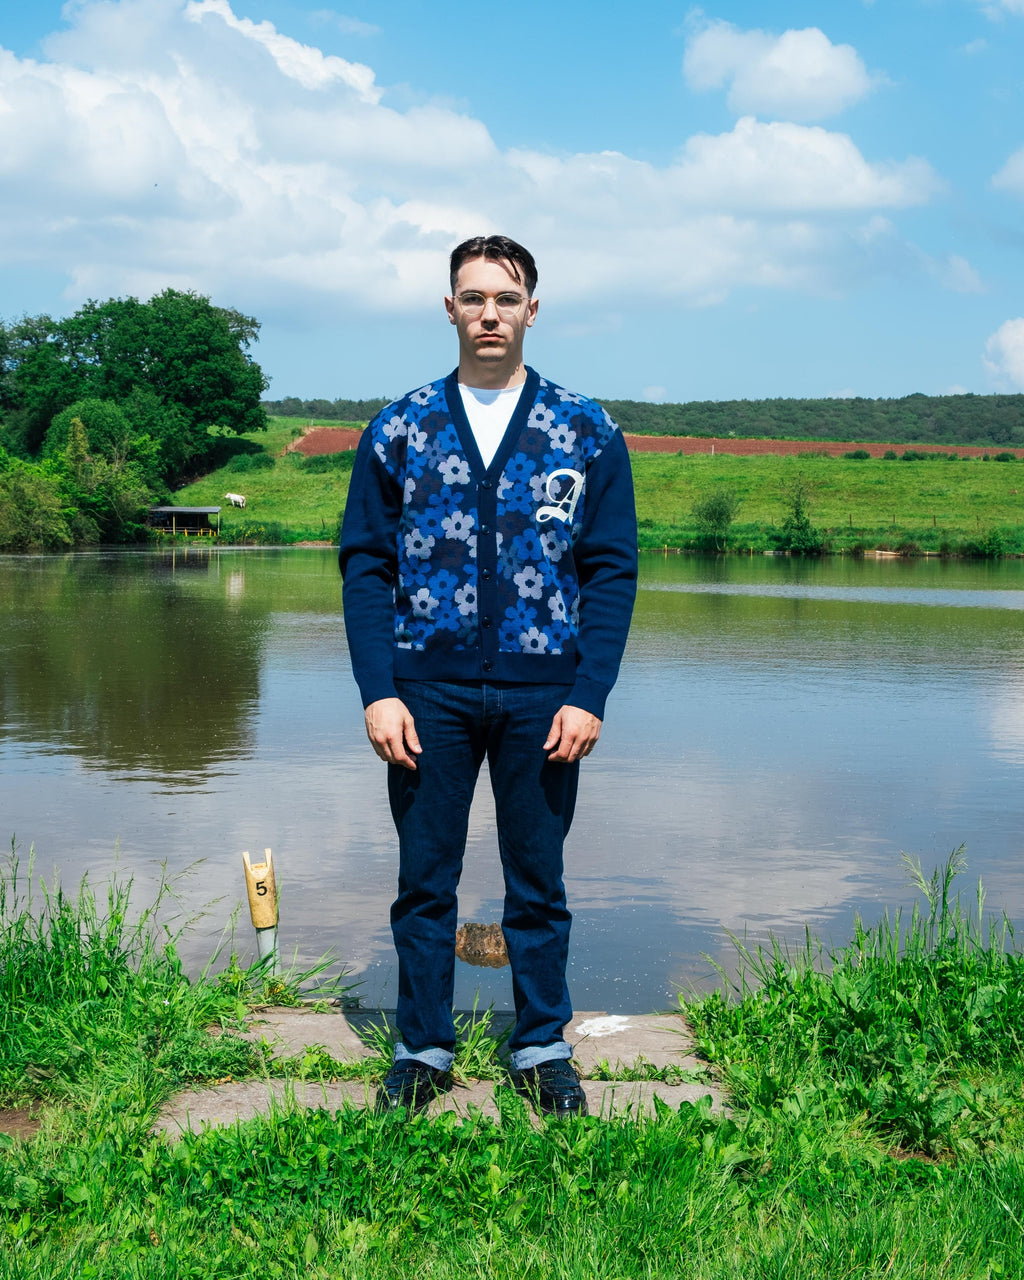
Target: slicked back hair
x,y
497,249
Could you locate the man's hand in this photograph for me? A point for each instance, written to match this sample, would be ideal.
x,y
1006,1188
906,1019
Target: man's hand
x,y
392,731
574,734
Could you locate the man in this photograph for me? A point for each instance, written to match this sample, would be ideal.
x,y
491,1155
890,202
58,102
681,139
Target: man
x,y
489,556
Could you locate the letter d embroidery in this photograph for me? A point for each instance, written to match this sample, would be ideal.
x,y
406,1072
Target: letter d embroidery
x,y
562,507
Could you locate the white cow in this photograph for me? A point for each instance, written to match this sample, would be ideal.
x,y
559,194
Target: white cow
x,y
236,499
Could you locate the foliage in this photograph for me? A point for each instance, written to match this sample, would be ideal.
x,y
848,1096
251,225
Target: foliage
x,y
175,366
714,514
34,508
912,1030
101,1022
952,420
327,410
797,535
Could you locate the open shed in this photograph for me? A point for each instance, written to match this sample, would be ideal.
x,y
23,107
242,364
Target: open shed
x,y
196,521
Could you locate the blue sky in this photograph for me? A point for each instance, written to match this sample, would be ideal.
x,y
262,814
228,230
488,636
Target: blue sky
x,y
735,201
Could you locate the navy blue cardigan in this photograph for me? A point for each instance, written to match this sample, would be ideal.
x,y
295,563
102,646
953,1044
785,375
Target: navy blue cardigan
x,y
521,571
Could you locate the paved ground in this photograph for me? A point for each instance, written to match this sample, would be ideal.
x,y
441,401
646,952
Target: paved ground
x,y
603,1044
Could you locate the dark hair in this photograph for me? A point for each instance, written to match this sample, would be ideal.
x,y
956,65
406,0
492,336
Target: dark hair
x,y
497,249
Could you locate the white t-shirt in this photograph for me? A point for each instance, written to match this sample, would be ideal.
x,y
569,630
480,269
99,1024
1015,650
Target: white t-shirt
x,y
489,413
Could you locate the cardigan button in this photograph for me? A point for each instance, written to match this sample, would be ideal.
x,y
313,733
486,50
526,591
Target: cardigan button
x,y
486,484
485,574
488,665
486,621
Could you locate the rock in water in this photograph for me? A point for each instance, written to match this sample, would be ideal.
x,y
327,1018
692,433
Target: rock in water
x,y
481,944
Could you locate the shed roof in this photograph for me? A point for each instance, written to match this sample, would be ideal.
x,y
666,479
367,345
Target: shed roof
x,y
178,511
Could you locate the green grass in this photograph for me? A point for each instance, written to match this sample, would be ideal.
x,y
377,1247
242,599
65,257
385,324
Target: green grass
x,y
856,503
936,506
876,1127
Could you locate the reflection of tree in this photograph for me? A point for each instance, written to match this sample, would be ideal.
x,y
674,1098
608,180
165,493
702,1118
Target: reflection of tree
x,y
129,661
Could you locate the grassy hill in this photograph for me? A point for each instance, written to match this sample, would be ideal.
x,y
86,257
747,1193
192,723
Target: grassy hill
x,y
868,503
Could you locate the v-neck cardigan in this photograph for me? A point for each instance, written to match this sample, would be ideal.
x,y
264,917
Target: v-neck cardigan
x,y
522,571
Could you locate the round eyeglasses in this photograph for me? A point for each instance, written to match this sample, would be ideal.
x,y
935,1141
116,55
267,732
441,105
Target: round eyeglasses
x,y
506,304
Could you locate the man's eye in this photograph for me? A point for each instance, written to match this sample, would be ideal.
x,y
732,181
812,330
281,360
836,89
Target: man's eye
x,y
508,300
471,299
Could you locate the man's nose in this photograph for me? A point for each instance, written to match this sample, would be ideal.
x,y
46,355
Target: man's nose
x,y
490,311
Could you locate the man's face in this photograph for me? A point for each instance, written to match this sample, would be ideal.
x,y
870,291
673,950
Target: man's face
x,y
494,334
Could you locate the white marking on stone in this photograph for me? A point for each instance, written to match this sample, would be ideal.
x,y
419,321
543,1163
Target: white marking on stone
x,y
610,1026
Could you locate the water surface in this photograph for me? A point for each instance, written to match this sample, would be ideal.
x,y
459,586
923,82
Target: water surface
x,y
780,733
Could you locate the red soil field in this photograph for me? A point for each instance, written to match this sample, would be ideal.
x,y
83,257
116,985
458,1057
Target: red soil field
x,y
320,440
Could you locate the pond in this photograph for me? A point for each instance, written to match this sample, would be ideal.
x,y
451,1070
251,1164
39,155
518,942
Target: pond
x,y
781,732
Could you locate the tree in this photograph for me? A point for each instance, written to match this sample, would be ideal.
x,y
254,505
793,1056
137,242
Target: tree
x,y
177,365
714,514
33,508
797,535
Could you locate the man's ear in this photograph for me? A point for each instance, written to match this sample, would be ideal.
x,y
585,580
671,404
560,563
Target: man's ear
x,y
449,306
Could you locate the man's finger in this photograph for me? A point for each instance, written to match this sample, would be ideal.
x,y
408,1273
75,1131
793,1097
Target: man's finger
x,y
554,733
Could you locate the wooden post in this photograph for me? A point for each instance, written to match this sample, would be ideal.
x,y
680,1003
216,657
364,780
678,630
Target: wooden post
x,y
262,890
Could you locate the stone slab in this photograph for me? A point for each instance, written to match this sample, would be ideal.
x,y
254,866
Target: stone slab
x,y
291,1031
226,1104
627,1040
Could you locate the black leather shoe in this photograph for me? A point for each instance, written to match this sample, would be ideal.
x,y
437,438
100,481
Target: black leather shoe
x,y
409,1083
553,1087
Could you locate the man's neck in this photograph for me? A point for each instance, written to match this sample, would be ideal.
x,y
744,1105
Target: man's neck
x,y
491,377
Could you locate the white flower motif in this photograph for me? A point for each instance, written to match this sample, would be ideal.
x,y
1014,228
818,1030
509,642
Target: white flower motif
x,y
533,641
424,395
569,397
541,418
505,487
457,525
557,606
417,439
562,438
553,545
378,449
418,545
537,488
423,603
465,598
394,427
454,470
410,488
529,582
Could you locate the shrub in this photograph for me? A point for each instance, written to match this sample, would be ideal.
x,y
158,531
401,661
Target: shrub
x,y
324,462
889,455
857,455
251,462
714,514
1004,457
913,455
797,535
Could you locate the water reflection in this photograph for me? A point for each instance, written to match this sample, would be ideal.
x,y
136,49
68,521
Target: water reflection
x,y
781,731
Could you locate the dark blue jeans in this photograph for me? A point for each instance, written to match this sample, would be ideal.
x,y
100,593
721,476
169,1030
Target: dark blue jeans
x,y
459,724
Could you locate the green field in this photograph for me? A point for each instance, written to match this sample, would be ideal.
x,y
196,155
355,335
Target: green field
x,y
933,505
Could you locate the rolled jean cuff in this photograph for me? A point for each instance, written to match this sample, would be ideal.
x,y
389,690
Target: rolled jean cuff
x,y
439,1059
532,1055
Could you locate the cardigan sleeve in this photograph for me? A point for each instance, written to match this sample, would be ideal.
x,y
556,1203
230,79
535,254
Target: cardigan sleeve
x,y
368,560
606,562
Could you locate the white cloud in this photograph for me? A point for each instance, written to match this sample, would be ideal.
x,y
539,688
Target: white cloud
x,y
173,143
799,75
956,274
342,22
1004,355
999,8
1011,176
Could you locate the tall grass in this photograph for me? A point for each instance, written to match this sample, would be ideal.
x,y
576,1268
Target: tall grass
x,y
913,1031
807,1177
